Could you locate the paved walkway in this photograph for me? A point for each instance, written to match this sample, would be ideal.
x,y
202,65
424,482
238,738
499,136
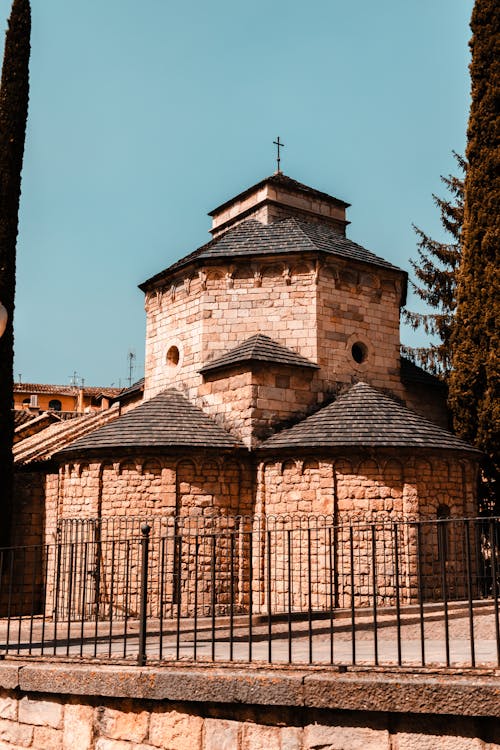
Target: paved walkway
x,y
300,641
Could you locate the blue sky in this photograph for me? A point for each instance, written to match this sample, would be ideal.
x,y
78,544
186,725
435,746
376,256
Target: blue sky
x,y
146,114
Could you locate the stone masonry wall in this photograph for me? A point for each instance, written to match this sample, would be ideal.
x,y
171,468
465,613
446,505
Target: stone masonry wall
x,y
251,403
63,722
357,305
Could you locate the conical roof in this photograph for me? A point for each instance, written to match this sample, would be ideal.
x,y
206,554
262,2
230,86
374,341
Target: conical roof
x,y
366,418
259,348
167,420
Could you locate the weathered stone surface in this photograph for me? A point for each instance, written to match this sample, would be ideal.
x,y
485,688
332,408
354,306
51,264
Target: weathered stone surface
x,y
172,730
15,734
41,712
8,706
256,737
221,735
47,738
291,738
406,741
404,693
125,724
9,676
320,737
78,720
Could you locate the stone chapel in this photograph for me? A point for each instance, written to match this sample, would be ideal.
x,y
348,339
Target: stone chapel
x,y
273,385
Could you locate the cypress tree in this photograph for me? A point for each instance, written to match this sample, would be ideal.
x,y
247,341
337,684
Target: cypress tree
x,y
474,379
14,93
435,271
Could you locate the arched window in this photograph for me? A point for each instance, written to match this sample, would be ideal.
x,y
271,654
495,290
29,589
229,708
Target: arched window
x,y
55,404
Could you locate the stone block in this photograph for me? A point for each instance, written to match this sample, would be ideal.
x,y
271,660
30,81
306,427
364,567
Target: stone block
x,y
15,734
123,725
291,738
47,738
221,735
416,741
8,707
321,737
77,734
257,737
40,712
171,730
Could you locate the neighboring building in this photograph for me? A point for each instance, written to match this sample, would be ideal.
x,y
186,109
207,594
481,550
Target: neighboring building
x,y
40,397
273,385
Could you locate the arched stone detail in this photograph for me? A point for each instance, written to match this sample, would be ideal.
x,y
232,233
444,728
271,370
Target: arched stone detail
x,y
151,466
309,464
127,464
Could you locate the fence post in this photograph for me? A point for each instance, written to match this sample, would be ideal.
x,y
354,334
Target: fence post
x,y
143,610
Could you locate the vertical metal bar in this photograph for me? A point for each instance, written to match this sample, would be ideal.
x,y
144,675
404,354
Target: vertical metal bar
x,y
33,586
44,602
126,596
195,617
231,594
111,596
469,592
70,594
332,590
398,601
375,592
162,593
493,546
213,599
353,606
179,598
420,574
290,585
309,595
269,621
97,578
143,609
56,594
250,595
84,573
442,546
21,599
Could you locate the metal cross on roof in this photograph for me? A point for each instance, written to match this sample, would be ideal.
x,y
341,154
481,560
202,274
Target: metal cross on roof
x,y
278,143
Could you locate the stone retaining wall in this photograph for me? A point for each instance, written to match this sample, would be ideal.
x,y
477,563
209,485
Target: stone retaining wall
x,y
106,708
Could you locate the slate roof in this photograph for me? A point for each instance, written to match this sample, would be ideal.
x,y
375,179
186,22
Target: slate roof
x,y
281,180
289,236
167,420
366,418
411,373
259,348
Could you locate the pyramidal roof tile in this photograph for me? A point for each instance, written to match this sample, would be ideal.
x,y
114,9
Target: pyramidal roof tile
x,y
366,418
167,420
259,348
288,236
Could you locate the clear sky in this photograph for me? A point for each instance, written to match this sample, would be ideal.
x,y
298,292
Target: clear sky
x,y
146,114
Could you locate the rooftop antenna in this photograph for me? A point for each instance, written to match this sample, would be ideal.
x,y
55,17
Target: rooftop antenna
x,y
279,145
131,365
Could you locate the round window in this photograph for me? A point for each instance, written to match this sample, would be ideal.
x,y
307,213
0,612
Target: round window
x,y
173,356
359,352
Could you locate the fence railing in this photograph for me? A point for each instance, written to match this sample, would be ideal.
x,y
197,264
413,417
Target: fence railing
x,y
281,589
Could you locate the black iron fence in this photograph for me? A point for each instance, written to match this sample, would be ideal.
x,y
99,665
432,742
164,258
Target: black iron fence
x,y
280,589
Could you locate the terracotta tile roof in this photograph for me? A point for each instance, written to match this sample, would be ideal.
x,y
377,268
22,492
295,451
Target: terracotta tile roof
x,y
70,390
282,180
289,236
21,416
167,420
43,445
366,418
259,348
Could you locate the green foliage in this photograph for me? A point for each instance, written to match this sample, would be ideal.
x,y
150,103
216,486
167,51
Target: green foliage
x,y
475,376
435,272
14,92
